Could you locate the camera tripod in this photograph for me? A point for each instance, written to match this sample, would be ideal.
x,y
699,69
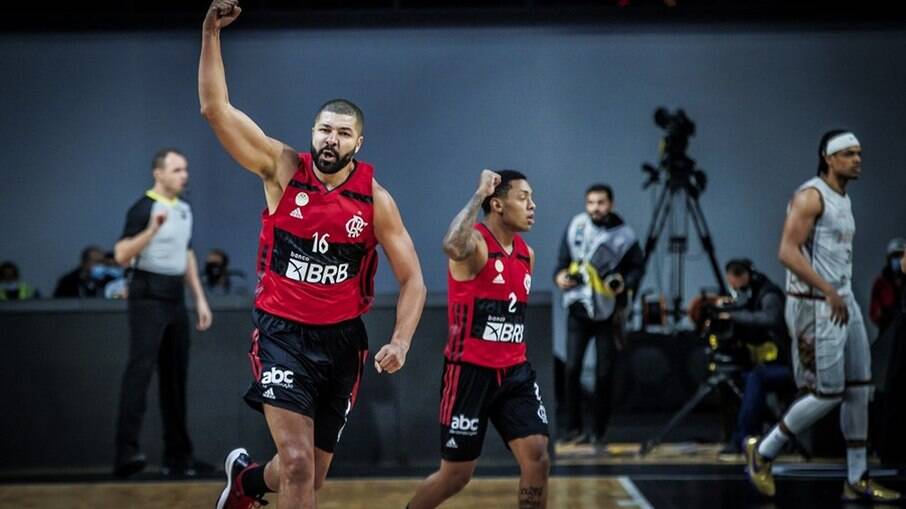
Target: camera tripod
x,y
684,186
722,372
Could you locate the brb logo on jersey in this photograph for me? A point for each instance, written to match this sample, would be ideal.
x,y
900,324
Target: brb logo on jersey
x,y
500,321
274,376
301,268
315,258
355,226
462,425
503,332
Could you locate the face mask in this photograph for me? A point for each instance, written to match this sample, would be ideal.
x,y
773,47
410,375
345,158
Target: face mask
x,y
741,295
101,272
97,272
895,265
10,286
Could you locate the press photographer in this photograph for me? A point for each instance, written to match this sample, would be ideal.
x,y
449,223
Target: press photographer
x,y
599,264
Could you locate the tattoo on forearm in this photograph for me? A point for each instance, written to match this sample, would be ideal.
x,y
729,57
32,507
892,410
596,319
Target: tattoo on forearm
x,y
460,231
531,497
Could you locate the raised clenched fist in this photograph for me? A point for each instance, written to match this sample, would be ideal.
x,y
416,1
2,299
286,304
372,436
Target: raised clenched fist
x,y
488,182
221,13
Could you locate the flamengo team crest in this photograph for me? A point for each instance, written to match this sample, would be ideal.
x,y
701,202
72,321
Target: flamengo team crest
x,y
355,226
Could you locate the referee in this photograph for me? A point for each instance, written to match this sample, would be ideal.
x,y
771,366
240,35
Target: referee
x,y
155,243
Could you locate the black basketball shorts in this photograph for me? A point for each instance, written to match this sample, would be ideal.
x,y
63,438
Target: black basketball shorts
x,y
313,370
471,395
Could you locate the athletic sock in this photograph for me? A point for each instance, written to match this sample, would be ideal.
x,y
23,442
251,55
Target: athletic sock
x,y
801,415
771,444
856,464
252,481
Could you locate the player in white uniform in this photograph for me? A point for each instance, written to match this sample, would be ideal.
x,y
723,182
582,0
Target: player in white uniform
x,y
831,354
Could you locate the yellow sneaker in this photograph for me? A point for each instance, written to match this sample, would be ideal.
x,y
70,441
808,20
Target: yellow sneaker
x,y
867,490
758,468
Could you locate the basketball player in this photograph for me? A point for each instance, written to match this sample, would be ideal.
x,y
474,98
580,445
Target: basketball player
x,y
486,374
831,357
316,263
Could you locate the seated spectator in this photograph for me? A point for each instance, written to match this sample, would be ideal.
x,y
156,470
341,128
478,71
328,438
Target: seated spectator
x,y
218,279
86,280
888,288
12,287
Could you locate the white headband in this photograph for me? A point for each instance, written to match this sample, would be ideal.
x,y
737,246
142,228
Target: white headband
x,y
840,142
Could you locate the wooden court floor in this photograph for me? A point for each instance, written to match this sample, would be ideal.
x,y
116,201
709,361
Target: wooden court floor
x,y
565,493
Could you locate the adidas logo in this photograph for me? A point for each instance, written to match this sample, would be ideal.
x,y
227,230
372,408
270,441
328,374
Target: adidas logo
x,y
499,280
296,213
451,444
269,394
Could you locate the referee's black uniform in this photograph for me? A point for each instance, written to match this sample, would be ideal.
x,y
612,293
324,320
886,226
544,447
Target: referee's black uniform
x,y
158,334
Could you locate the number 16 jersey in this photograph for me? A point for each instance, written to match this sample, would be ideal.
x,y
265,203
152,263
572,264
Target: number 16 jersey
x,y
486,314
316,252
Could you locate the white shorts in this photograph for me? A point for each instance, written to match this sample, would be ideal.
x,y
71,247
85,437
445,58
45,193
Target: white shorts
x,y
827,357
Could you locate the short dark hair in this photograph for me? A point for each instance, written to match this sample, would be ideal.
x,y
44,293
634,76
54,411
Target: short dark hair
x,y
740,266
600,188
86,252
158,160
344,107
222,254
10,267
506,176
822,146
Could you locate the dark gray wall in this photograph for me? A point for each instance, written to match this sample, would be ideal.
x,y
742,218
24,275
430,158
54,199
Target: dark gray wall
x,y
81,114
63,362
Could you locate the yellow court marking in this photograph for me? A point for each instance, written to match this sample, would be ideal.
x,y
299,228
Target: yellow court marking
x,y
678,453
564,493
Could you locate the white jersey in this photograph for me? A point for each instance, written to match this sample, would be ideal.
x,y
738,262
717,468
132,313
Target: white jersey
x,y
829,247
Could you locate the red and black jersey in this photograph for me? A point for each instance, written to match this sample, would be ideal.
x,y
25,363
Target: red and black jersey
x,y
316,253
487,314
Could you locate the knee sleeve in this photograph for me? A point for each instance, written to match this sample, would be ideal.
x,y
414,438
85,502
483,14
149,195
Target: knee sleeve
x,y
854,413
807,410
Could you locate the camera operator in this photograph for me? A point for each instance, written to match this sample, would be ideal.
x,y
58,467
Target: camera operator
x,y
600,263
756,317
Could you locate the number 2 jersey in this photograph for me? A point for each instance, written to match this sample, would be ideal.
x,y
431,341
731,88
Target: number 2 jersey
x,y
316,252
486,314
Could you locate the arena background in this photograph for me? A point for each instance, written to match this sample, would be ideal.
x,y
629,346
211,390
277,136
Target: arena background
x,y
564,93
569,105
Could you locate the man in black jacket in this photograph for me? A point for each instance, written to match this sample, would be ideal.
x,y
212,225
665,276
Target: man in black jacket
x,y
86,280
599,265
756,315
